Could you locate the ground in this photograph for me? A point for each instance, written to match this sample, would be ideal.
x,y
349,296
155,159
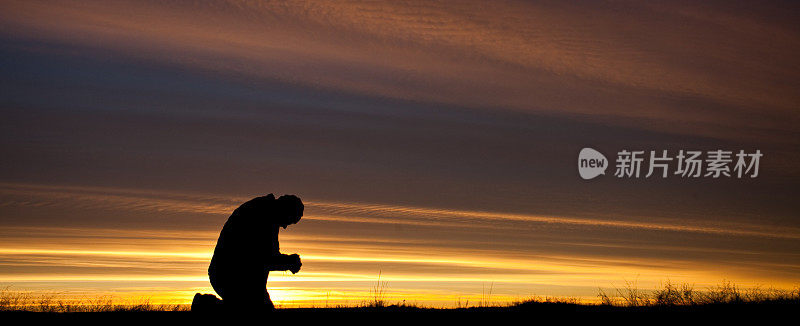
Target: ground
x,y
525,314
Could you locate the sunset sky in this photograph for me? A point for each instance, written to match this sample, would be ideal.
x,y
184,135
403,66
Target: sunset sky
x,y
433,143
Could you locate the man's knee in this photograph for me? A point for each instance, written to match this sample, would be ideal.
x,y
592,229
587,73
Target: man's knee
x,y
242,291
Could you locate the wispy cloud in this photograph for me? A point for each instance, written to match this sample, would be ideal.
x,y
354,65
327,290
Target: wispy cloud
x,y
126,199
344,245
519,56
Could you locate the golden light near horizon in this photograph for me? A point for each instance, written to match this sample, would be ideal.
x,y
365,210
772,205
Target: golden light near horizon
x,y
433,145
168,266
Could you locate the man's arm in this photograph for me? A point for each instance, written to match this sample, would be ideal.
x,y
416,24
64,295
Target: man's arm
x,y
282,262
276,261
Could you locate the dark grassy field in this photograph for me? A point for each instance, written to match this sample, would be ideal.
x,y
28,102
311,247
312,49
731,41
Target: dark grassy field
x,y
678,303
525,313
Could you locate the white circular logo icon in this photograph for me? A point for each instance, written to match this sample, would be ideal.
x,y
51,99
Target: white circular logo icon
x,y
591,163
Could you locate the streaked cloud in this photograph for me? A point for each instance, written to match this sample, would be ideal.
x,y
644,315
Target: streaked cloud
x,y
519,56
530,255
122,199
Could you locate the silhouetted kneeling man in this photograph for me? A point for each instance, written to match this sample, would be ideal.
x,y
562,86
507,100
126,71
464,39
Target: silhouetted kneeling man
x,y
247,250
